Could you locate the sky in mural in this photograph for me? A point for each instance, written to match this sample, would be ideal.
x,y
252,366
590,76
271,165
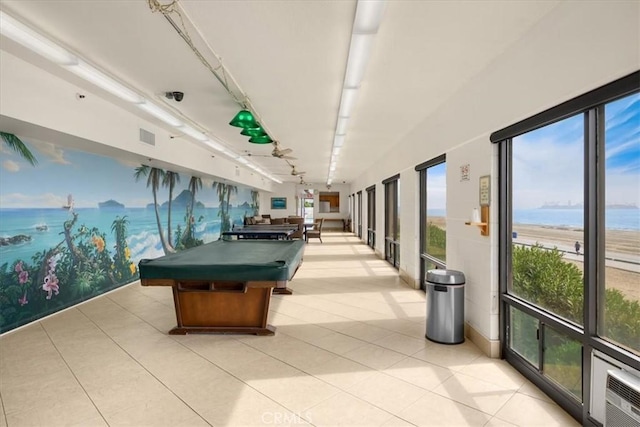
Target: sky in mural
x,y
56,176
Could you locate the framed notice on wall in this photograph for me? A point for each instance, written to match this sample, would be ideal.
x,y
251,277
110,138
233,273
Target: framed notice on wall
x,y
485,190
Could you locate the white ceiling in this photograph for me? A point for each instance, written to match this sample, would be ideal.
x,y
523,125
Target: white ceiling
x,y
289,58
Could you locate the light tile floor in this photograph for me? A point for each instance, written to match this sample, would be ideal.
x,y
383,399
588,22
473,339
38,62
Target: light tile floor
x,y
349,350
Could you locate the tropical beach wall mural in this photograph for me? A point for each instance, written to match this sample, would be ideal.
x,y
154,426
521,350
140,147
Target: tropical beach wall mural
x,y
74,225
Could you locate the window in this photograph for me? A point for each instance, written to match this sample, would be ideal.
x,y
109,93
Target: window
x,y
570,189
371,216
433,213
619,291
359,217
547,218
391,221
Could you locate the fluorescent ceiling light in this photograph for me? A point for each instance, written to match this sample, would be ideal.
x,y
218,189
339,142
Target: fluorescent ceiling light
x,y
193,133
338,141
359,53
159,113
341,127
336,152
101,80
348,101
30,39
368,16
333,166
214,145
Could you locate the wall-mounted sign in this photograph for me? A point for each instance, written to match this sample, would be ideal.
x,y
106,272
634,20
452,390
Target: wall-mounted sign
x,y
465,171
485,190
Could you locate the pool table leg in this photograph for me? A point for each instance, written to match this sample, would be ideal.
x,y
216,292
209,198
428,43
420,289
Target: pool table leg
x,y
281,288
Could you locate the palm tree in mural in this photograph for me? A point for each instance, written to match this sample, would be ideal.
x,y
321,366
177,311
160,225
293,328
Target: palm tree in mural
x,y
121,260
154,177
195,184
170,179
255,202
230,189
19,147
224,194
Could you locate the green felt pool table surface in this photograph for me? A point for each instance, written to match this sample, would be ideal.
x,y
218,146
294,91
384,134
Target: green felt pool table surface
x,y
238,260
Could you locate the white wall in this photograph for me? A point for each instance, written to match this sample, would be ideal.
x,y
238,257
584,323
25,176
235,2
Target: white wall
x,y
36,104
577,47
288,190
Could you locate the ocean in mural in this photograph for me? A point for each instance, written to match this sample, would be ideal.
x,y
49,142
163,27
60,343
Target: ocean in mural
x,y
42,228
75,225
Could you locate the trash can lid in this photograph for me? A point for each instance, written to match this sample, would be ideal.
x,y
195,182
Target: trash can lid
x,y
445,277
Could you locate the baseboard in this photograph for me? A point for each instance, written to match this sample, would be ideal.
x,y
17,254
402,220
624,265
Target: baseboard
x,y
489,347
415,284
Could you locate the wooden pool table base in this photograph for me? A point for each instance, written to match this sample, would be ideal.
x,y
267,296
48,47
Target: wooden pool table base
x,y
220,307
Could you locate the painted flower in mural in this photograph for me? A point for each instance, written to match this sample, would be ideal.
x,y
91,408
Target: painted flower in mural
x,y
98,242
51,284
132,267
23,300
127,253
23,276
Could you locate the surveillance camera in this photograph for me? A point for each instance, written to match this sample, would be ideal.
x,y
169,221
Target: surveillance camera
x,y
178,96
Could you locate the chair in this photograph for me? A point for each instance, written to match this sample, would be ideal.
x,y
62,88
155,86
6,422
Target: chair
x,y
277,221
299,233
316,231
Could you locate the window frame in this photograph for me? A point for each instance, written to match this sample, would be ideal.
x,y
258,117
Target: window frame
x,y
392,242
371,216
424,257
591,105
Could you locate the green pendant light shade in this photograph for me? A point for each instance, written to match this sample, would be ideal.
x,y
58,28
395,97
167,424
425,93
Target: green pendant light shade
x,y
261,139
244,119
253,131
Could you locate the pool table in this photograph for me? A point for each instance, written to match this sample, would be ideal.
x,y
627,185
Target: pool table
x,y
225,286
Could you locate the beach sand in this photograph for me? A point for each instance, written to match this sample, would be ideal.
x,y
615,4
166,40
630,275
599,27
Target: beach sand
x,y
621,245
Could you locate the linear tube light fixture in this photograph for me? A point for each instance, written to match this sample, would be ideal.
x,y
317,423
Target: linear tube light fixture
x,y
341,127
20,33
36,42
160,114
98,78
365,25
368,16
359,53
193,133
347,101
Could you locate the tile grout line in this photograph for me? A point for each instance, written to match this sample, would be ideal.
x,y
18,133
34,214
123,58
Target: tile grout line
x,y
196,353
4,411
72,372
142,366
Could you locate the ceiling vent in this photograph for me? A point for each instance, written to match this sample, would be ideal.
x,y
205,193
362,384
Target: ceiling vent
x,y
147,137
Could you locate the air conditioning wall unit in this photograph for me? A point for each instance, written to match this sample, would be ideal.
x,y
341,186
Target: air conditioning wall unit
x,y
623,399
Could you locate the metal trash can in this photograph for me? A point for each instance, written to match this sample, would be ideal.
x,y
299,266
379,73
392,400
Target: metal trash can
x,y
445,306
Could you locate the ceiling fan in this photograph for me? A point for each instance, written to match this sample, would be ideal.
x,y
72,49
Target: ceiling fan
x,y
281,153
277,153
294,172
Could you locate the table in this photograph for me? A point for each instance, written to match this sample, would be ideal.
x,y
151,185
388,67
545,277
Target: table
x,y
225,286
266,232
